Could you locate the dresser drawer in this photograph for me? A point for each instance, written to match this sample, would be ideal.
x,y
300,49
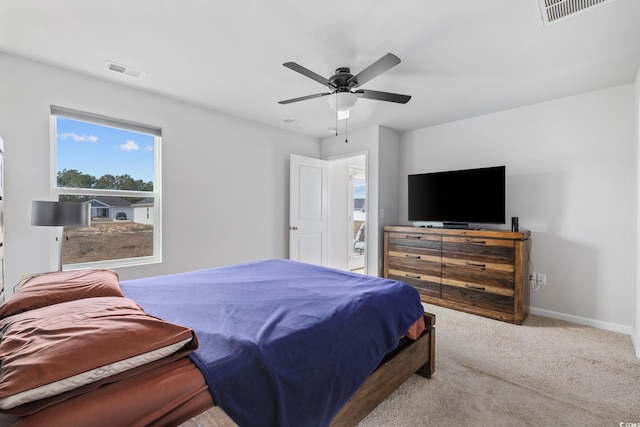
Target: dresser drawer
x,y
479,273
493,277
416,269
414,243
415,262
472,295
495,251
415,259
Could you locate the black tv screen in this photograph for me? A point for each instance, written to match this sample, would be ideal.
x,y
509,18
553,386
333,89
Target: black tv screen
x,y
460,196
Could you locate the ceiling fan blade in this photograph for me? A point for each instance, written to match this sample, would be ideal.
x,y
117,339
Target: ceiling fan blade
x,y
383,64
304,98
305,72
383,96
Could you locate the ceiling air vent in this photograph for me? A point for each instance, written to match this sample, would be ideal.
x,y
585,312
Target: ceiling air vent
x,y
123,69
556,10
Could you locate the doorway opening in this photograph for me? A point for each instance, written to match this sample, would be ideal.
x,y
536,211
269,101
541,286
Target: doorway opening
x,y
327,211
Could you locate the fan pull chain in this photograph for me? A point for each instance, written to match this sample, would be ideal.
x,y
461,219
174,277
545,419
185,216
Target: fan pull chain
x,y
346,129
346,122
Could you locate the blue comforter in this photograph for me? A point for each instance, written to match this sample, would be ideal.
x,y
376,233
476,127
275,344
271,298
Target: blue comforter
x,y
282,343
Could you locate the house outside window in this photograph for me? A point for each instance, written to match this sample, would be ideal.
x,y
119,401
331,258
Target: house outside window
x,y
114,165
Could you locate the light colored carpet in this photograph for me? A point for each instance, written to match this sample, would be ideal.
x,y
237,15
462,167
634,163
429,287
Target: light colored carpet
x,y
543,373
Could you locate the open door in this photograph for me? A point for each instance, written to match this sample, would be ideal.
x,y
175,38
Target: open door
x,y
308,212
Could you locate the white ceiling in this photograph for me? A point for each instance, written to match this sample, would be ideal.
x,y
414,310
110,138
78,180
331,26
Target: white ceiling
x,y
459,58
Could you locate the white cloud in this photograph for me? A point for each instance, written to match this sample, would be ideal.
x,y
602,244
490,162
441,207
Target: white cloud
x,y
78,138
148,147
130,145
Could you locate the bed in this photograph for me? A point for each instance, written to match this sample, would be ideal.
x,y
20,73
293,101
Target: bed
x,y
272,342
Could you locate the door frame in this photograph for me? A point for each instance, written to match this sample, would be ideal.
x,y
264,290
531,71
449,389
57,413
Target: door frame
x,y
356,261
368,231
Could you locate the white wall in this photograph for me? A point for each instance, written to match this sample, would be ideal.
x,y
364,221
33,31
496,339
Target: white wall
x,y
143,214
388,184
382,148
636,298
570,179
236,171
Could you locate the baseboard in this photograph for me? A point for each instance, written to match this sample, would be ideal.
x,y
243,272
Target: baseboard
x,y
614,327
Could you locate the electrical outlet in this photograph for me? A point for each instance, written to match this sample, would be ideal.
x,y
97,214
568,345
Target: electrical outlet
x,y
542,279
533,279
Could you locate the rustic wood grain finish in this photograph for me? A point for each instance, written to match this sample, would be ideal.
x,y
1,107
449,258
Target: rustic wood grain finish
x,y
483,272
418,358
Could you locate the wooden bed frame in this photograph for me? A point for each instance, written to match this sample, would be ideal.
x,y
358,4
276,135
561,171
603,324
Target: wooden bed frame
x,y
184,392
417,357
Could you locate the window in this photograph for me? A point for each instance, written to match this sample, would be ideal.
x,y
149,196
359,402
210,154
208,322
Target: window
x,y
114,165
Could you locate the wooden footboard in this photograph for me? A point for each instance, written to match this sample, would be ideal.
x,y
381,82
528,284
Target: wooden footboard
x,y
418,357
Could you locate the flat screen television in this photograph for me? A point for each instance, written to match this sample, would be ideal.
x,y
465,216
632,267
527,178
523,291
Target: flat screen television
x,y
457,198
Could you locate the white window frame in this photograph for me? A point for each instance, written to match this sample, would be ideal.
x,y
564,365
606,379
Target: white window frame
x,y
56,191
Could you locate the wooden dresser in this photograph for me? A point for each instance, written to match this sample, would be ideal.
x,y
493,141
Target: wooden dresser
x,y
484,272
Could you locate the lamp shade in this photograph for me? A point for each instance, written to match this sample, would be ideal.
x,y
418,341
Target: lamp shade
x,y
59,214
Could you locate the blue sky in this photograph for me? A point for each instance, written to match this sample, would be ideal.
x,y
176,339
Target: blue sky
x,y
98,150
359,188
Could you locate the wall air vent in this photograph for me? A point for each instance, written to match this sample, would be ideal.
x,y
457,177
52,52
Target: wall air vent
x,y
557,10
123,69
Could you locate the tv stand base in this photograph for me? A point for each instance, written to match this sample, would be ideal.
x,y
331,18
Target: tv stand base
x,y
455,225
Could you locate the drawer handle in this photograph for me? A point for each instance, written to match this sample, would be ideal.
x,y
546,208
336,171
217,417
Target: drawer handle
x,y
479,288
412,256
478,242
473,264
412,236
412,276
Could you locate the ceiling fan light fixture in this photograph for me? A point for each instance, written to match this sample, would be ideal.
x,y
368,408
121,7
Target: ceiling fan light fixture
x,y
343,86
342,102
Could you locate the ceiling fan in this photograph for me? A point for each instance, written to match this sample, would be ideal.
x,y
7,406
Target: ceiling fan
x,y
343,82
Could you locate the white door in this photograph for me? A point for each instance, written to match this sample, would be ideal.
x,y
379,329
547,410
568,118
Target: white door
x,y
308,213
